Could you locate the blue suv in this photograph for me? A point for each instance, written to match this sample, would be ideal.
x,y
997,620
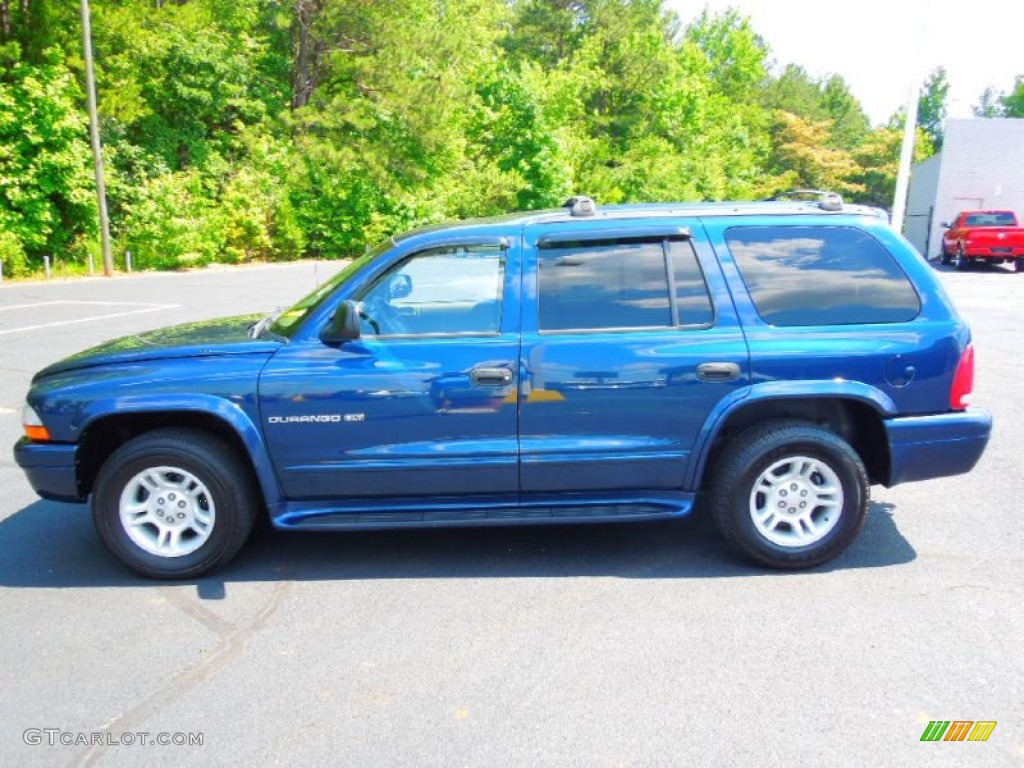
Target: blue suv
x,y
585,364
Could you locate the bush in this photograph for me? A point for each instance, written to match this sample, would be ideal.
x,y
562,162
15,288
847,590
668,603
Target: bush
x,y
12,254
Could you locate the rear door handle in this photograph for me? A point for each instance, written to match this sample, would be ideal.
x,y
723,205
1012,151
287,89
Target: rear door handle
x,y
718,371
492,377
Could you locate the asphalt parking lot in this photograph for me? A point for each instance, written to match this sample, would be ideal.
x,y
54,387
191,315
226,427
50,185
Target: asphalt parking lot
x,y
618,645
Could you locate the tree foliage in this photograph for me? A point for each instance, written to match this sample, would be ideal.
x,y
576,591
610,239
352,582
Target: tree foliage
x,y
237,131
995,103
931,107
45,180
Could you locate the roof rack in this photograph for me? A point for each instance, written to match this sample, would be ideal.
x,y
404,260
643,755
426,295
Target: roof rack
x,y
580,205
827,201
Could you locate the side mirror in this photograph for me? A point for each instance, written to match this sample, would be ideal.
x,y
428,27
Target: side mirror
x,y
343,325
946,225
399,286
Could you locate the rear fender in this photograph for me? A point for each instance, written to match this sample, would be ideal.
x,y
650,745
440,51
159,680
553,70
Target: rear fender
x,y
778,390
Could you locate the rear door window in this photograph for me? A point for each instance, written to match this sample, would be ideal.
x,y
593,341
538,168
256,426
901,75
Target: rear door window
x,y
621,284
821,276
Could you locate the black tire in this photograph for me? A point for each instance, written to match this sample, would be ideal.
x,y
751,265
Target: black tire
x,y
224,493
745,463
962,262
1018,265
945,257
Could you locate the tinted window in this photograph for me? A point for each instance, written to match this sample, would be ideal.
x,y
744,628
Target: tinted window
x,y
991,219
693,303
603,285
612,284
821,276
440,291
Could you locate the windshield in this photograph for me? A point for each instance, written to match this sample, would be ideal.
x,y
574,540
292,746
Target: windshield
x,y
287,321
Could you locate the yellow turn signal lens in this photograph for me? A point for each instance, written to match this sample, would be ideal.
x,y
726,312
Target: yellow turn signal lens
x,y
34,432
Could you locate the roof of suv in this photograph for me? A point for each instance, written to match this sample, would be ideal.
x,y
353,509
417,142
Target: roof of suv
x,y
659,210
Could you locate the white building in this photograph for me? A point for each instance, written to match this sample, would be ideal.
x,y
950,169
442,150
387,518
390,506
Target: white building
x,y
981,166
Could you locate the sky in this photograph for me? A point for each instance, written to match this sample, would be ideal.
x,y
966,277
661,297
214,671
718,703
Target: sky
x,y
882,47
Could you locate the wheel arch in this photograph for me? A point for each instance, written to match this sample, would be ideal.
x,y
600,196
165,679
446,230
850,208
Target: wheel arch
x,y
855,418
101,435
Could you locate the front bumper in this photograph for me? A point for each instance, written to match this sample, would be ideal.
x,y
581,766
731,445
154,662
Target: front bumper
x,y
50,468
925,447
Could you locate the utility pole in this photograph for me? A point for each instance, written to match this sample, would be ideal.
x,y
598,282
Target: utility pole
x,y
899,203
916,47
94,133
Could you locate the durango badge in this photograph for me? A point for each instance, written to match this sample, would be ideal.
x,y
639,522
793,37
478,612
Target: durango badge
x,y
316,418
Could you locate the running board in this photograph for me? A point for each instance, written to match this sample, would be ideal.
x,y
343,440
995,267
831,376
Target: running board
x,y
330,517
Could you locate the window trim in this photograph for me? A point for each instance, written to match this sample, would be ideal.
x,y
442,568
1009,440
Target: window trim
x,y
652,234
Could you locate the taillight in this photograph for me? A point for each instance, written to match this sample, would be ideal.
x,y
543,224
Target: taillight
x,y
963,380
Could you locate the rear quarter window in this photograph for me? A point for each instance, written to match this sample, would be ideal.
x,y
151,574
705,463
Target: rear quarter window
x,y
821,276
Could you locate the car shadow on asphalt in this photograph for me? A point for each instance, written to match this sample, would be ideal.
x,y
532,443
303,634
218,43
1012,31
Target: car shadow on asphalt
x,y
981,267
53,545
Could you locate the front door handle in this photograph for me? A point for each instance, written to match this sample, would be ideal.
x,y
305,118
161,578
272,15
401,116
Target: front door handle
x,y
491,377
718,371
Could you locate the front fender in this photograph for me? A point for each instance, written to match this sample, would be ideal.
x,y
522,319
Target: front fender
x,y
221,408
830,389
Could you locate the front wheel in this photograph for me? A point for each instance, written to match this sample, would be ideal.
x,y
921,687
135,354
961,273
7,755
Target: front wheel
x,y
1018,265
788,494
174,503
945,257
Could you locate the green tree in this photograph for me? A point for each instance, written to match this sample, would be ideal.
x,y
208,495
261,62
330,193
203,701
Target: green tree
x,y
512,131
545,32
831,100
803,158
238,131
46,192
850,125
995,103
1013,102
931,106
878,159
794,91
988,104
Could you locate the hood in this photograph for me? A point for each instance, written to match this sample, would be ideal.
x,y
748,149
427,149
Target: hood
x,y
207,338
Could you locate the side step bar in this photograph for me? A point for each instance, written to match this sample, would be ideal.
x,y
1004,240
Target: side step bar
x,y
330,517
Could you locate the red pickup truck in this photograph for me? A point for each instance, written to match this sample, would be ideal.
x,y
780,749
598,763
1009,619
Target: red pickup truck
x,y
990,235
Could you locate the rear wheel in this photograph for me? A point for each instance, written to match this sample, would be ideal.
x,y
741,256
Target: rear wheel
x,y
1018,265
174,503
962,262
788,494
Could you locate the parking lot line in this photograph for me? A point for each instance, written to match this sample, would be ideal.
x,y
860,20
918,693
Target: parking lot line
x,y
146,308
30,306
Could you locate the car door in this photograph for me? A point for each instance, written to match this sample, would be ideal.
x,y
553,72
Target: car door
x,y
628,345
424,402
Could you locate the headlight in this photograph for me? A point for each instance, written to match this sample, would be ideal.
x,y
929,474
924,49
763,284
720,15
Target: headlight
x,y
33,425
